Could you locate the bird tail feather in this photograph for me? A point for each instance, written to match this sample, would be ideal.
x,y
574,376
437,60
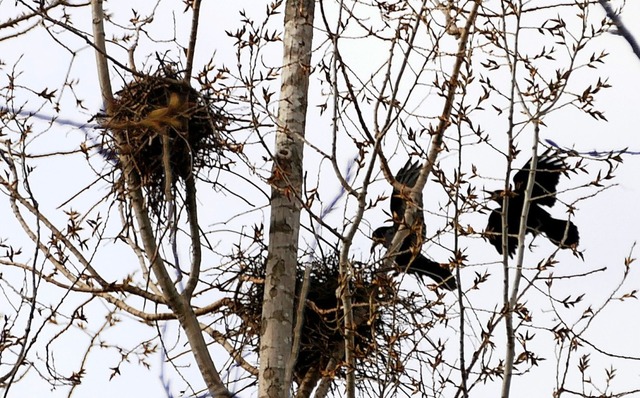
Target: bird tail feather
x,y
562,233
423,267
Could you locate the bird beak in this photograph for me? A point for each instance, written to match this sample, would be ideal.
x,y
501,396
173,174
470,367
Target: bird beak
x,y
493,195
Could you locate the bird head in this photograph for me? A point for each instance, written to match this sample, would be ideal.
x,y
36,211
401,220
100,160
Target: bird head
x,y
382,236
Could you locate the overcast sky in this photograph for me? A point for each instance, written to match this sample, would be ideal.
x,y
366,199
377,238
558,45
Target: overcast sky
x,y
608,222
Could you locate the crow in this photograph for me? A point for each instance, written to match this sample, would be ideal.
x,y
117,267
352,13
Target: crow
x,y
409,258
563,234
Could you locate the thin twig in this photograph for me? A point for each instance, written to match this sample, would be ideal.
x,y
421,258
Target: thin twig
x,y
297,331
622,29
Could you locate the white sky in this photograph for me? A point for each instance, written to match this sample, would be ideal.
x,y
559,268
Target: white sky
x,y
608,222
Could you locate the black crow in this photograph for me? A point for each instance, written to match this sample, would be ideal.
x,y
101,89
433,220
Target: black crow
x,y
409,258
562,233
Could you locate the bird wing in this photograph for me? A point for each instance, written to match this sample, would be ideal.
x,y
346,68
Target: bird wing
x,y
407,175
547,176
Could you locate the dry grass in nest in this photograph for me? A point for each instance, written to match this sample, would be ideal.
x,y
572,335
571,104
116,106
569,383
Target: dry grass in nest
x,y
322,338
151,107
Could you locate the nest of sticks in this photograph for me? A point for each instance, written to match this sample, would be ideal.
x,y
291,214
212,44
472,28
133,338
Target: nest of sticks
x,y
163,127
322,339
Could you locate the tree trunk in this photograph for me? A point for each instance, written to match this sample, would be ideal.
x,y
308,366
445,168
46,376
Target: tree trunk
x,y
286,183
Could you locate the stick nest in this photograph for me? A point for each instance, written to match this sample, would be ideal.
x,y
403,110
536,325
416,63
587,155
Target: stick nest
x,y
322,337
155,108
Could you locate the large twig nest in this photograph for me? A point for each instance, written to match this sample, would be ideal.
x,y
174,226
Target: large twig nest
x,y
153,108
322,338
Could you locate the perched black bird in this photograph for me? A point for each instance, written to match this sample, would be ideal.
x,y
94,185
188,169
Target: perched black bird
x,y
409,258
563,234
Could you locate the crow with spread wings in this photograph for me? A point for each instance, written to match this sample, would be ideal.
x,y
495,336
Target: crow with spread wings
x,y
563,234
409,258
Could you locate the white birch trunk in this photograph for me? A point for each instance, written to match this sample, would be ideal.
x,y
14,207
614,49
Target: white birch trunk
x,y
286,180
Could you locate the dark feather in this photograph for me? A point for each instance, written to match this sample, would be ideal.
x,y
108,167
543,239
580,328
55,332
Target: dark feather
x,y
407,175
409,259
563,234
418,264
547,176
